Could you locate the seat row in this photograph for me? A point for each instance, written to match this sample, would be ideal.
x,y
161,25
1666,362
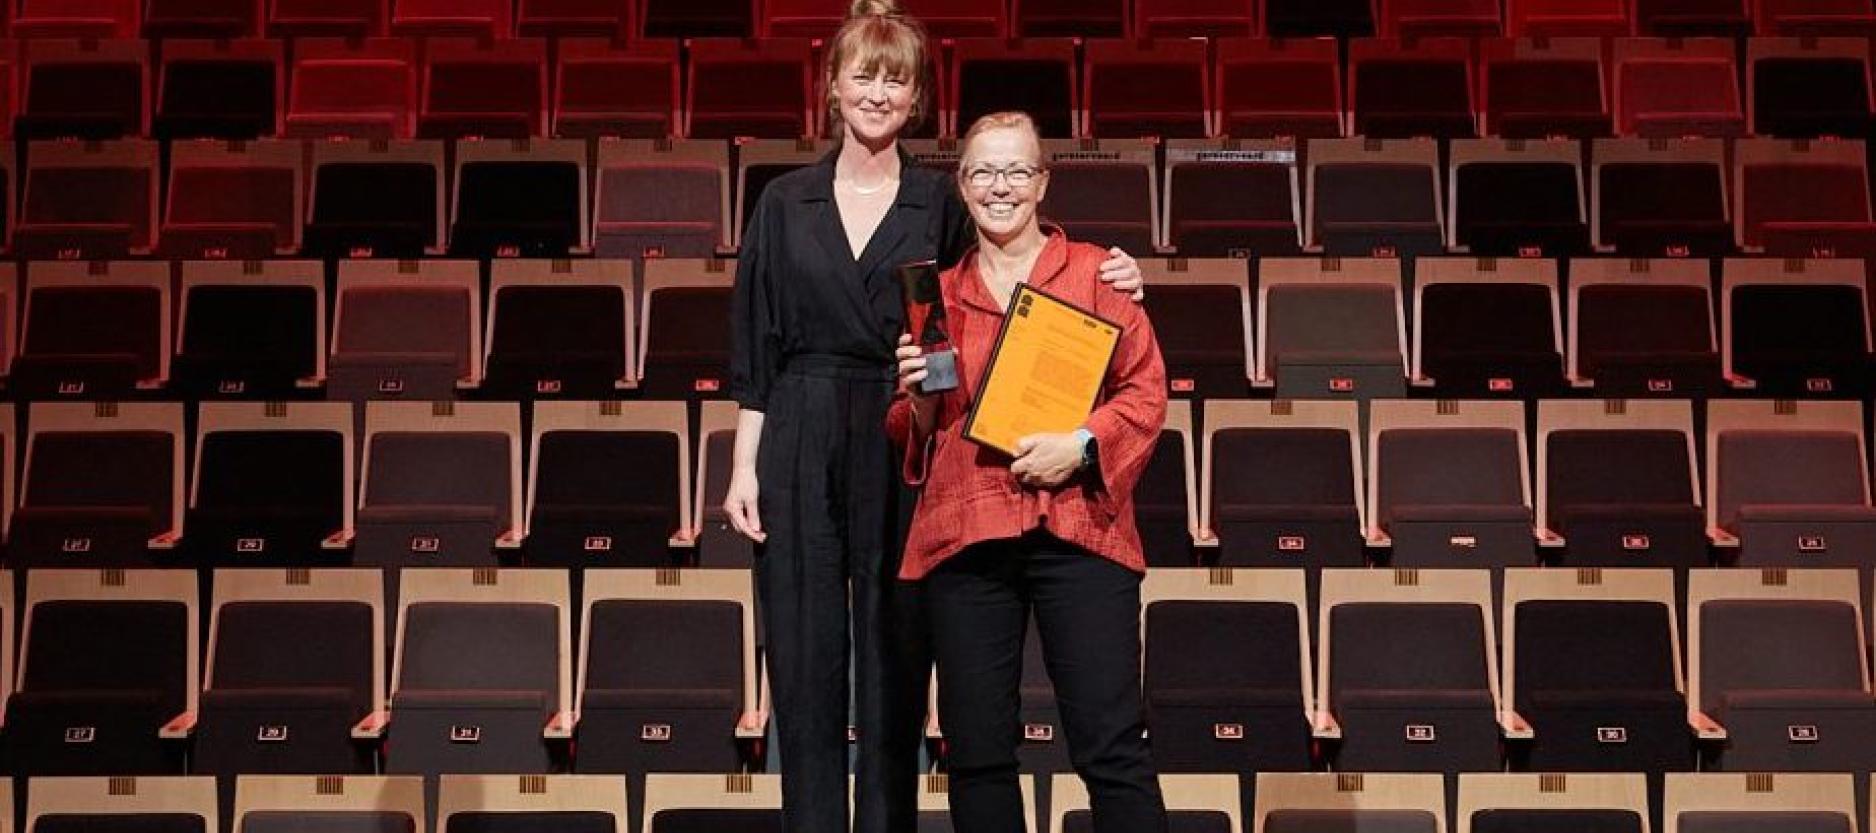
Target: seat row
x,y
945,18
1305,328
637,199
455,87
671,803
1400,671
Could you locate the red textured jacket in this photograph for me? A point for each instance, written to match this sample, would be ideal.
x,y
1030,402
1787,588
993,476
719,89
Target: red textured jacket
x,y
970,495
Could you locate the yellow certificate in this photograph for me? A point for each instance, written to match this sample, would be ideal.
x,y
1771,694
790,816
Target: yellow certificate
x,y
1045,371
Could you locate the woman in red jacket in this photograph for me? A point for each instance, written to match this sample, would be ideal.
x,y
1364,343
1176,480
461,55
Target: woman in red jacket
x,y
1050,532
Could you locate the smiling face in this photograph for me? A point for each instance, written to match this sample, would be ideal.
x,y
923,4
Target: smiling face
x,y
874,103
1002,179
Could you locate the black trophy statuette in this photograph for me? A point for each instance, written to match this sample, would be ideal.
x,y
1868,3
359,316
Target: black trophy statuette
x,y
925,320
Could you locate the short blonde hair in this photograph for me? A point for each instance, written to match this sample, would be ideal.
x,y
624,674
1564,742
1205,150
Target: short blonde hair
x,y
877,37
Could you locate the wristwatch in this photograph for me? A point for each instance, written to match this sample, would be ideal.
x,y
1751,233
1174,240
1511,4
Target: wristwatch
x,y
1090,451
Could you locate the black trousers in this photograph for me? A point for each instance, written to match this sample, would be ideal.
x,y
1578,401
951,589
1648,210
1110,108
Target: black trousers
x,y
1088,611
832,505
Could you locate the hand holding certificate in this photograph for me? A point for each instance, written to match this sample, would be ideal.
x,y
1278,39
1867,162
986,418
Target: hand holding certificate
x,y
1045,372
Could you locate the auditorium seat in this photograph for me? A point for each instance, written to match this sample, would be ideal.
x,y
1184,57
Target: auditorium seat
x,y
1323,802
1618,485
220,89
1374,198
1592,666
1312,516
1449,485
1159,88
483,89
1034,75
1068,18
405,330
1166,497
576,18
296,663
1815,18
1487,328
1643,328
1799,198
1318,18
273,484
719,544
441,484
483,676
329,804
1232,198
375,199
1194,18
1795,327
802,18
85,89
1217,702
213,19
108,673
581,513
1786,484
1805,87
1435,18
559,329
234,200
1728,19
98,331
1670,88
697,19
121,805
1403,88
760,161
102,487
88,201
683,351
1331,328
9,639
1103,191
482,19
75,18
1517,198
662,198
251,330
12,70
349,19
358,88
1536,87
955,19
1408,679
1776,670
1660,197
520,198
506,804
753,88
1278,88
1720,802
603,89
1209,353
669,682
1194,804
1567,18
696,803
1501,802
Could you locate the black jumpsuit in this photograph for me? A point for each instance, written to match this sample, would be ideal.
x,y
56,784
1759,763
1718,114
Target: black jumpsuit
x,y
813,333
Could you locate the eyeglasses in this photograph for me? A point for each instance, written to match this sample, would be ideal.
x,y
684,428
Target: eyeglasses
x,y
1019,175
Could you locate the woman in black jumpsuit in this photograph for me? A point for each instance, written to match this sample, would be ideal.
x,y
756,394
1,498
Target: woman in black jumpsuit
x,y
812,367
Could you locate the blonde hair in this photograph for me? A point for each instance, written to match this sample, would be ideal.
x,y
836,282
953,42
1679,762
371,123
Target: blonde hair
x,y
878,37
1007,119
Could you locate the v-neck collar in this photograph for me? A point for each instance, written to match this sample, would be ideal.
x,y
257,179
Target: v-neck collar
x,y
1050,263
862,278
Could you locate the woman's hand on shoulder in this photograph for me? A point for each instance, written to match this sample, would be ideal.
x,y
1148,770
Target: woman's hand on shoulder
x,y
1121,272
1046,461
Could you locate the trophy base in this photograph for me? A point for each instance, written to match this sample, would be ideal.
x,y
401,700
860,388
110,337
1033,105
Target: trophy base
x,y
941,372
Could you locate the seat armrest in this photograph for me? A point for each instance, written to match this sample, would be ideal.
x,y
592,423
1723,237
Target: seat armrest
x,y
510,540
1377,538
560,726
1738,382
164,540
683,539
753,725
1325,727
1548,538
1722,538
337,540
179,727
1705,728
1206,539
1514,726
310,382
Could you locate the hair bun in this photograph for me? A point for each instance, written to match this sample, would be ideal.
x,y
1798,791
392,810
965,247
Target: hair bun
x,y
863,8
